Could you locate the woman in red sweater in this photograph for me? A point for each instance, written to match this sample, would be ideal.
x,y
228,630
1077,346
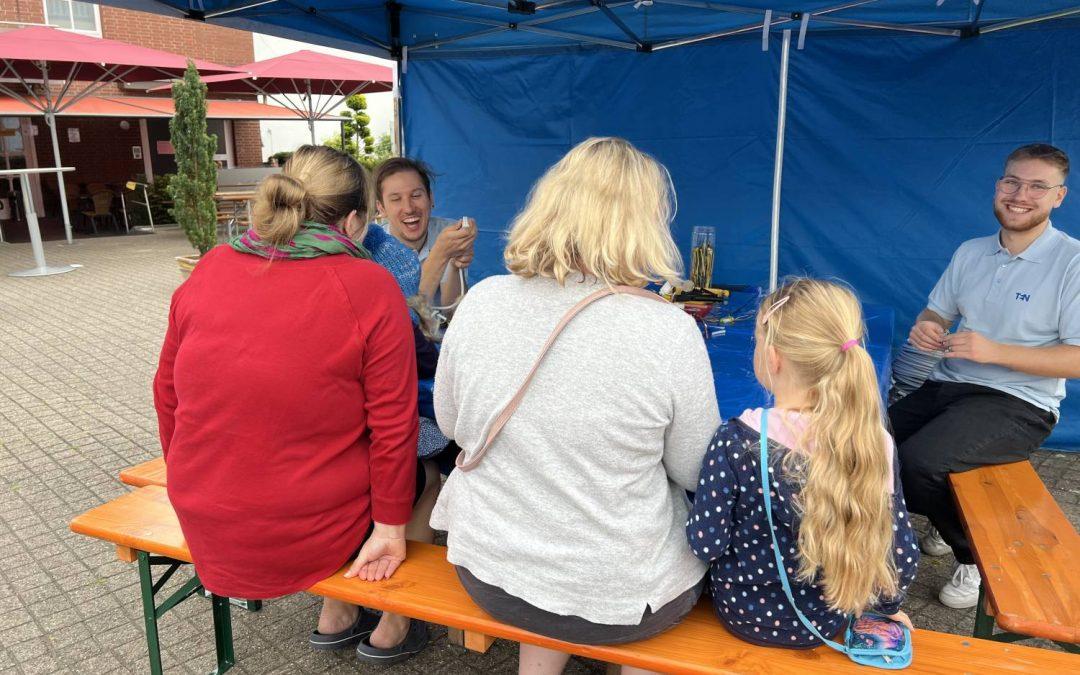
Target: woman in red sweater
x,y
286,401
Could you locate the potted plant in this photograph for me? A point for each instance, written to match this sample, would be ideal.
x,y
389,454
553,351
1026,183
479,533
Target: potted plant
x,y
192,188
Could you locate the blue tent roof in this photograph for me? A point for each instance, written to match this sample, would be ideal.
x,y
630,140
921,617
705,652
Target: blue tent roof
x,y
441,28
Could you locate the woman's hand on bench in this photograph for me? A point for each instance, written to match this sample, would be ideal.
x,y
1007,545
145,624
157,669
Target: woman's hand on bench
x,y
380,555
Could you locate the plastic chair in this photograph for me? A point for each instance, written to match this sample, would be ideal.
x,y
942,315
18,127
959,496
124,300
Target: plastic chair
x,y
102,198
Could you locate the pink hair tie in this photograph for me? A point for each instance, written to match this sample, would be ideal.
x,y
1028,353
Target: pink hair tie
x,y
848,345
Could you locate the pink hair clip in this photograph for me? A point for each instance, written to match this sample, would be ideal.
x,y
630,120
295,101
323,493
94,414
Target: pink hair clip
x,y
776,305
849,344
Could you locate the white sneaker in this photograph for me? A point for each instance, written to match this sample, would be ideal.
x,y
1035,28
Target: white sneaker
x,y
962,591
933,544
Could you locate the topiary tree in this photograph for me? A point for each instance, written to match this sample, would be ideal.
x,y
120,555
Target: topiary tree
x,y
358,125
195,182
383,150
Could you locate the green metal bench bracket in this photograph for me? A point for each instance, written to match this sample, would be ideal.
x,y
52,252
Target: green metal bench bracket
x,y
152,612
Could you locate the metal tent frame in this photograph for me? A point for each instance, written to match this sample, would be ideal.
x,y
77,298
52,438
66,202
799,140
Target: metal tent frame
x,y
528,17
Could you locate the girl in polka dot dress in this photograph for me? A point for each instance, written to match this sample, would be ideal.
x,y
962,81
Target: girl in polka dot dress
x,y
841,522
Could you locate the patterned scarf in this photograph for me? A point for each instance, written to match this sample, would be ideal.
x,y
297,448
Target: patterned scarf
x,y
311,241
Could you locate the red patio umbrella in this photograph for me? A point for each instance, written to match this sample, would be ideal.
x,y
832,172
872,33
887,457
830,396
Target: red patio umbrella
x,y
57,59
309,74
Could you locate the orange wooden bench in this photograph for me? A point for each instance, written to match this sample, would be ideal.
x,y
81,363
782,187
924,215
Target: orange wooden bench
x,y
143,527
1028,554
151,472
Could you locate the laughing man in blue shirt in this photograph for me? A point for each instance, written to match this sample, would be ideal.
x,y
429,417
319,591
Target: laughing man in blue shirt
x,y
1014,298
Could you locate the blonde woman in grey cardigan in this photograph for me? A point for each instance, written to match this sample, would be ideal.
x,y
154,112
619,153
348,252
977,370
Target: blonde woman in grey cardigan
x,y
572,525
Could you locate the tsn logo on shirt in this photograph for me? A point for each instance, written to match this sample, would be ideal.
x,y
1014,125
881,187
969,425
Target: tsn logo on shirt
x,y
1023,296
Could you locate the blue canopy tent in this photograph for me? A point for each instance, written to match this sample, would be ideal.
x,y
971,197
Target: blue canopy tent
x,y
859,140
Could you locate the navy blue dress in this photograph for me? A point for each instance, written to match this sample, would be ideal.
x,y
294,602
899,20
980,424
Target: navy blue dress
x,y
728,529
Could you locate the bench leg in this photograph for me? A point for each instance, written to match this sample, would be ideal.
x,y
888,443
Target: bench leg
x,y
152,612
475,642
223,640
455,636
478,642
150,615
984,623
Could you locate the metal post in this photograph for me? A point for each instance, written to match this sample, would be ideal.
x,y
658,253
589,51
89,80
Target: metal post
x,y
50,121
778,165
40,269
984,624
223,638
146,587
123,209
311,114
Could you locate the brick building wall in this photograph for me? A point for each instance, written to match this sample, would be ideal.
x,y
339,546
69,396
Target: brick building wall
x,y
247,143
198,40
22,11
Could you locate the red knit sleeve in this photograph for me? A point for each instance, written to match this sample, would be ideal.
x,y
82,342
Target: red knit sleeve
x,y
390,395
164,391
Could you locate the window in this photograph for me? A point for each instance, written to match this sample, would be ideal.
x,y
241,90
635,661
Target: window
x,y
81,17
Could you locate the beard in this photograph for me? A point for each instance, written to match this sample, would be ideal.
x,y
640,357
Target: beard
x,y
1015,223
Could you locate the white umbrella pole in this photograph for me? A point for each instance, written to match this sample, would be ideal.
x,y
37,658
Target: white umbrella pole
x,y
50,121
311,114
778,165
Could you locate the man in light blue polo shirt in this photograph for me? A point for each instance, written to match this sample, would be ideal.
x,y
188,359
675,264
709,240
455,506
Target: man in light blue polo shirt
x,y
994,397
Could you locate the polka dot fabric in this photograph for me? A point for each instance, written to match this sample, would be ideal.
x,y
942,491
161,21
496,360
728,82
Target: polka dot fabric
x,y
728,529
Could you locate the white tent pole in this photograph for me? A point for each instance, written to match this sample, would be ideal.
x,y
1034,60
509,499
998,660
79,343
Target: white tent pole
x,y
778,165
399,101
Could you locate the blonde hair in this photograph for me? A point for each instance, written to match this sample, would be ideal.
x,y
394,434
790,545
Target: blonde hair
x,y
318,184
842,463
604,209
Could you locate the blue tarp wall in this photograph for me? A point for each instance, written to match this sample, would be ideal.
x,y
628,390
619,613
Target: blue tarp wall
x,y
893,145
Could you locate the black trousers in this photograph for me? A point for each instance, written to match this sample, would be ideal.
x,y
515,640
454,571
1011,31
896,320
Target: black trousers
x,y
945,427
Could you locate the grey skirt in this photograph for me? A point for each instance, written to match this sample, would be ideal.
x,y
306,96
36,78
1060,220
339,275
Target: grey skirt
x,y
516,612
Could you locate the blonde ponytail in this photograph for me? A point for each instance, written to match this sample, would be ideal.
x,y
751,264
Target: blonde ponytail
x,y
845,534
279,208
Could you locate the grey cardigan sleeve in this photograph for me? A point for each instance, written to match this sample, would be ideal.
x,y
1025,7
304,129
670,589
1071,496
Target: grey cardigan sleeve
x,y
694,413
446,407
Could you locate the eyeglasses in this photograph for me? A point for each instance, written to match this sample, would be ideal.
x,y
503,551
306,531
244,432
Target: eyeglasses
x,y
1011,186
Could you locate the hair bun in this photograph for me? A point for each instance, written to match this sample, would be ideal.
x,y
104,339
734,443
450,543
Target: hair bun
x,y
317,184
280,207
284,191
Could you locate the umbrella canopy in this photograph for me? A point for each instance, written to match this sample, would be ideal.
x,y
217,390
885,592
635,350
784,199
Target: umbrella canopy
x,y
50,56
25,51
328,75
308,74
155,108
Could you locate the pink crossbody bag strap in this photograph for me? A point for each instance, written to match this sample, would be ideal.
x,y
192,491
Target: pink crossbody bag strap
x,y
507,412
